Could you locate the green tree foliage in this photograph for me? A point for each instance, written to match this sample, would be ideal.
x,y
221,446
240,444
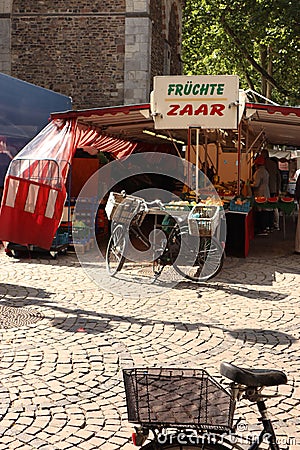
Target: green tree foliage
x,y
258,40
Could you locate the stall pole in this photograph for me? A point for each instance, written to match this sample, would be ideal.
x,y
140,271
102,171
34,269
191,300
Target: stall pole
x,y
248,157
219,151
189,159
197,164
218,145
205,156
239,160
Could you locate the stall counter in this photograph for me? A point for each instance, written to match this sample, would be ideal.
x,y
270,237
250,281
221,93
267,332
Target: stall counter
x,y
240,232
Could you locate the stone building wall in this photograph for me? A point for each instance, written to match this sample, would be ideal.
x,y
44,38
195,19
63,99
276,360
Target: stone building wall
x,y
5,36
166,38
101,53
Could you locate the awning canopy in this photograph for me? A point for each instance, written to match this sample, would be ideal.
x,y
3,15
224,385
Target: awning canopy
x,y
125,122
278,124
132,123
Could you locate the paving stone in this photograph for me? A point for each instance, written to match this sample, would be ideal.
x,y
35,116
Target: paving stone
x,y
62,383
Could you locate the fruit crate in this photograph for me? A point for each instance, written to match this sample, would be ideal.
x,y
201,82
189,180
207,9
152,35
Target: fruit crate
x,y
245,206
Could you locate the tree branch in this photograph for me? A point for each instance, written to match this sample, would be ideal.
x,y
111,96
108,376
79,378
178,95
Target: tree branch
x,y
251,60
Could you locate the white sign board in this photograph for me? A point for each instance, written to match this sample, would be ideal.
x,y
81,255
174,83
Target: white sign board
x,y
207,101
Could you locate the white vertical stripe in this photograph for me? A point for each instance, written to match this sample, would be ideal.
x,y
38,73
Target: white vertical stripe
x,y
31,198
51,203
12,192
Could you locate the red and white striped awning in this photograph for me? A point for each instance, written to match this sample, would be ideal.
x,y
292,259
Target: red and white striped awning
x,y
279,124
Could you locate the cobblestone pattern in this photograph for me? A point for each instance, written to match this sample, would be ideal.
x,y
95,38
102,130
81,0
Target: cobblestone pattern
x,y
61,380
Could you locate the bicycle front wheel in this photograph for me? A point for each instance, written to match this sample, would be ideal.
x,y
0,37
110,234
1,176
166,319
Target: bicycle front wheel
x,y
116,250
199,258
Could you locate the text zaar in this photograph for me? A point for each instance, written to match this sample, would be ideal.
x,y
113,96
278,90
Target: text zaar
x,y
212,110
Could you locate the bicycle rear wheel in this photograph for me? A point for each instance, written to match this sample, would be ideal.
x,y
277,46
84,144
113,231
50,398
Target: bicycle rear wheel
x,y
199,258
116,250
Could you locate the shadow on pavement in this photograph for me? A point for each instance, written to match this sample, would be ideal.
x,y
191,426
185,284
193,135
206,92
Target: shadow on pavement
x,y
84,321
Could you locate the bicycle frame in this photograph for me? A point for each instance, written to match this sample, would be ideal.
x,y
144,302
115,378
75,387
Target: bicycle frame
x,y
267,434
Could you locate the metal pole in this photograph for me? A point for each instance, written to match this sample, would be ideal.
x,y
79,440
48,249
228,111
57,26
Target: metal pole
x,y
205,156
197,164
189,159
239,160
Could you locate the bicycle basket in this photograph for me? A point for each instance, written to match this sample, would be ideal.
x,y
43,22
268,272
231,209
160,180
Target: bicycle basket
x,y
203,220
123,209
180,397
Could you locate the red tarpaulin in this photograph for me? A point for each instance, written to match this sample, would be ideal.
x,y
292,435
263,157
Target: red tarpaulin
x,y
34,191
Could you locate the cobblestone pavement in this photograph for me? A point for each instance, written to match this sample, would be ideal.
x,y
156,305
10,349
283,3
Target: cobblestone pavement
x,y
64,342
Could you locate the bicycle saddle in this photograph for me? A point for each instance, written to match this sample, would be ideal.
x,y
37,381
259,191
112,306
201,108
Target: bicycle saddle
x,y
253,377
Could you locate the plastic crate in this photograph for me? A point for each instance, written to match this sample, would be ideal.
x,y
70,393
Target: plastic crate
x,y
81,234
181,397
203,220
60,238
244,207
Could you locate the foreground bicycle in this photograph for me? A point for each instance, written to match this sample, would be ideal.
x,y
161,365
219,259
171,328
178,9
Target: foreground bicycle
x,y
195,252
187,409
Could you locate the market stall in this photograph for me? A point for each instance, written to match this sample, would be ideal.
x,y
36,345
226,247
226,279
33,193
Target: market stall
x,y
215,129
35,185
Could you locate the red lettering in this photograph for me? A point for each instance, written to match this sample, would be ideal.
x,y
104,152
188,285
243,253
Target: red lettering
x,y
173,111
203,109
187,109
217,109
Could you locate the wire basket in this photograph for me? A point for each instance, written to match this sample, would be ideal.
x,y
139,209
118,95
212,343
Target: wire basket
x,y
181,397
125,209
203,220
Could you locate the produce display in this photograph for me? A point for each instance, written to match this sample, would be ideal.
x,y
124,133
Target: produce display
x,y
212,201
274,199
261,199
240,204
182,205
287,199
228,189
228,198
239,201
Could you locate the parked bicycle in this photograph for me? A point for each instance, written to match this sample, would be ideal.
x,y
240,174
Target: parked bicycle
x,y
188,409
195,253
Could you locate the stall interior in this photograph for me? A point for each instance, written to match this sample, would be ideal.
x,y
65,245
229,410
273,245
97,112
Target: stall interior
x,y
224,156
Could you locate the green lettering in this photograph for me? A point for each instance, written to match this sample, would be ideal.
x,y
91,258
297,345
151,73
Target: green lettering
x,y
204,89
171,88
220,89
212,89
196,89
179,88
187,88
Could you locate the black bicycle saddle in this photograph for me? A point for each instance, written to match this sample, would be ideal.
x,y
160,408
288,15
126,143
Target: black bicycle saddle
x,y
253,377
